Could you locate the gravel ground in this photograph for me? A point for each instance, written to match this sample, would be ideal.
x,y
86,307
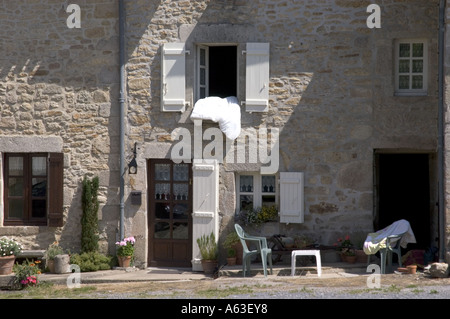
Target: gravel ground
x,y
391,286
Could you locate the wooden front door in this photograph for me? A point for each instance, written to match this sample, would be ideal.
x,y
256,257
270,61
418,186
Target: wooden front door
x,y
170,210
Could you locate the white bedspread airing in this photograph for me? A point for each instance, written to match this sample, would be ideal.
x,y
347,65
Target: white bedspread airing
x,y
376,241
226,111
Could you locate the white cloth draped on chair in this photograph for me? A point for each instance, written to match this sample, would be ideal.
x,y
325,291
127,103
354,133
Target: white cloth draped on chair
x,y
376,241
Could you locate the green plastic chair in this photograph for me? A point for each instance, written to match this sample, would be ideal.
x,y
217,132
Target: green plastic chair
x,y
386,253
266,253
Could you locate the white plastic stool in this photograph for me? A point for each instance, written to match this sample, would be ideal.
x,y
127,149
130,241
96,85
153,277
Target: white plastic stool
x,y
296,253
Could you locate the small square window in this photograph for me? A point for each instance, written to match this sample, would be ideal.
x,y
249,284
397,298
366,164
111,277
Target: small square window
x,y
411,67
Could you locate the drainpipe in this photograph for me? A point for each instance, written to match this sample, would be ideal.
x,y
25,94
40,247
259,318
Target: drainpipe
x,y
441,172
122,114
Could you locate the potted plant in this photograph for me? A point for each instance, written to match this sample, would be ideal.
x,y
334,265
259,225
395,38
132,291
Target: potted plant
x,y
52,251
125,251
346,249
209,252
9,249
232,244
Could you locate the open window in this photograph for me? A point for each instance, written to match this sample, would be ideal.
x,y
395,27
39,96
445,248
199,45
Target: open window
x,y
216,71
216,68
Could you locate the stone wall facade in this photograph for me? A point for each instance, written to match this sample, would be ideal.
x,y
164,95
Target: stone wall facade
x,y
331,95
59,93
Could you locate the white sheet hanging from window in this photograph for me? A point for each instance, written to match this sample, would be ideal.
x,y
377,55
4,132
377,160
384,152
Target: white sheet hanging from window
x,y
226,111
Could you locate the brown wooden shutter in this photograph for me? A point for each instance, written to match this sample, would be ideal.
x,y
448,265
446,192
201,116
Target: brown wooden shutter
x,y
55,189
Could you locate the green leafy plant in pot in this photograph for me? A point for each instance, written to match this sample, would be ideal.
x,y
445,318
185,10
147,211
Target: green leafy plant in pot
x,y
231,244
209,252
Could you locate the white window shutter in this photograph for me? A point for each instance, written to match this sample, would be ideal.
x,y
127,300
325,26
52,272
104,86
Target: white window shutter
x,y
291,197
173,77
257,77
205,189
205,205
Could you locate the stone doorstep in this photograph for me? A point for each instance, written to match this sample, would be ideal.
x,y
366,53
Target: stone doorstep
x,y
31,254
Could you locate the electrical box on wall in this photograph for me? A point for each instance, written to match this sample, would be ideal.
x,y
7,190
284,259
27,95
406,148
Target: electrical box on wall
x,y
136,197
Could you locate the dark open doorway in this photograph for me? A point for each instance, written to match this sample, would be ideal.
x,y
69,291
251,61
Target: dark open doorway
x,y
403,192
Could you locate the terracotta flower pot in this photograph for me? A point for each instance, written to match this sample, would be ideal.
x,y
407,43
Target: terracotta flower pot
x,y
411,269
361,256
51,265
209,266
6,264
350,259
231,261
124,261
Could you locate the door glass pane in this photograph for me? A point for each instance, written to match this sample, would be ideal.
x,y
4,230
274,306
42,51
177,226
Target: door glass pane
x,y
180,211
246,183
38,208
246,202
180,231
162,230
202,76
15,166
39,187
180,191
39,166
202,57
181,172
268,184
162,172
16,208
15,186
162,191
162,210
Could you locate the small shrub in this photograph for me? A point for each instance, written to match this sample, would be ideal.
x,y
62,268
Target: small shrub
x,y
91,261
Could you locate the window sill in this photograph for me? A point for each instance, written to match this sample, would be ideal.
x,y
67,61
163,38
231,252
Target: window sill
x,y
411,94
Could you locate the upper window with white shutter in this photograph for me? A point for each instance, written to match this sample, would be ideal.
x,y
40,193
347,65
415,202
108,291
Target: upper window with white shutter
x,y
257,77
173,82
216,74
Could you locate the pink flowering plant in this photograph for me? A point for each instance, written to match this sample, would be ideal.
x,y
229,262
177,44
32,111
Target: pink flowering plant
x,y
345,246
125,247
26,273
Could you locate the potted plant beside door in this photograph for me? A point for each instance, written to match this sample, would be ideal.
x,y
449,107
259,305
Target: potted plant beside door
x,y
209,252
125,251
9,249
231,244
